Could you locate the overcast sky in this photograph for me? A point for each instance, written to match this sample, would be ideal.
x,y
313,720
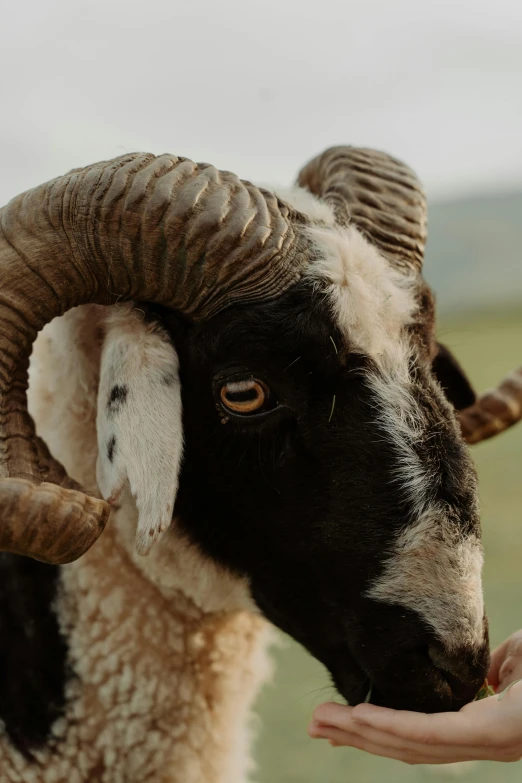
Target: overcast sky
x,y
260,87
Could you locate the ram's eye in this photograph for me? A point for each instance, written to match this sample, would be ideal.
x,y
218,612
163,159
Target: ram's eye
x,y
245,396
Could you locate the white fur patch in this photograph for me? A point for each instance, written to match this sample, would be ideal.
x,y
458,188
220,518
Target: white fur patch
x,y
371,301
305,202
437,572
432,569
372,304
140,435
399,417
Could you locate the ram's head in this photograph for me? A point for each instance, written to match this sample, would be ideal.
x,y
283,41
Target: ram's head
x,y
322,455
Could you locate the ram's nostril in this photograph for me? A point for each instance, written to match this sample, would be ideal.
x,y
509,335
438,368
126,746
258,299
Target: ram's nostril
x,y
464,670
452,664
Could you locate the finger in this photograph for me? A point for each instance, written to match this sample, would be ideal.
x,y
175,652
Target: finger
x,y
394,747
510,672
444,753
443,728
510,695
397,752
399,723
334,715
497,658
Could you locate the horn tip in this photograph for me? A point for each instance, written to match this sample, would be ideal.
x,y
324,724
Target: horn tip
x,y
48,522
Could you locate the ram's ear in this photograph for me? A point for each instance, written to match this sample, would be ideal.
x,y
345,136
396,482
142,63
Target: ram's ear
x,y
453,379
139,421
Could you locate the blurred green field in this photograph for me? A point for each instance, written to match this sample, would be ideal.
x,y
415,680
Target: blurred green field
x,y
489,345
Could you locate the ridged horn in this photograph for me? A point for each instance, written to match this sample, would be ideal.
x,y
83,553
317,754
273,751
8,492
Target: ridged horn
x,y
380,195
494,411
157,229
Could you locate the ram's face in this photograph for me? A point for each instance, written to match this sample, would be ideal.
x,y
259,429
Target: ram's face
x,y
322,461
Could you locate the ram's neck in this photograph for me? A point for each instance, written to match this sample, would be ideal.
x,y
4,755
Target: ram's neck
x,y
162,658
157,689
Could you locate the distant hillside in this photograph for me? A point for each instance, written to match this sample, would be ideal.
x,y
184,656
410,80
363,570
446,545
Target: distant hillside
x,y
474,254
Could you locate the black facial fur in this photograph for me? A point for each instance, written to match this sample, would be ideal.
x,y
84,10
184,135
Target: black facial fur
x,y
33,668
304,499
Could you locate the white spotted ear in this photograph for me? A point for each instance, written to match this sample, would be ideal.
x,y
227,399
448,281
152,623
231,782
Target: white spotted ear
x,y
139,421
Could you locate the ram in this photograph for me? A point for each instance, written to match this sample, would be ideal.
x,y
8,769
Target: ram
x,y
254,385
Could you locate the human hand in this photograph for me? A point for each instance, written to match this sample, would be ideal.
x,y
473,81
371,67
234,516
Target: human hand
x,y
490,729
506,663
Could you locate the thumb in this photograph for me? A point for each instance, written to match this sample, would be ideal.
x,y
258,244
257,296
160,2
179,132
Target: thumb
x,y
497,659
506,662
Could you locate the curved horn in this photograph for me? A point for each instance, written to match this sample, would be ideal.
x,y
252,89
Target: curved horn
x,y
494,411
162,230
376,192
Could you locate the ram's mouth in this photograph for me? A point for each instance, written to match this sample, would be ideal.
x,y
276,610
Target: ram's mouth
x,y
414,682
463,681
460,693
352,682
437,691
358,694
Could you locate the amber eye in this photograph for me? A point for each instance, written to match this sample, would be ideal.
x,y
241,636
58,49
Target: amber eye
x,y
244,397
